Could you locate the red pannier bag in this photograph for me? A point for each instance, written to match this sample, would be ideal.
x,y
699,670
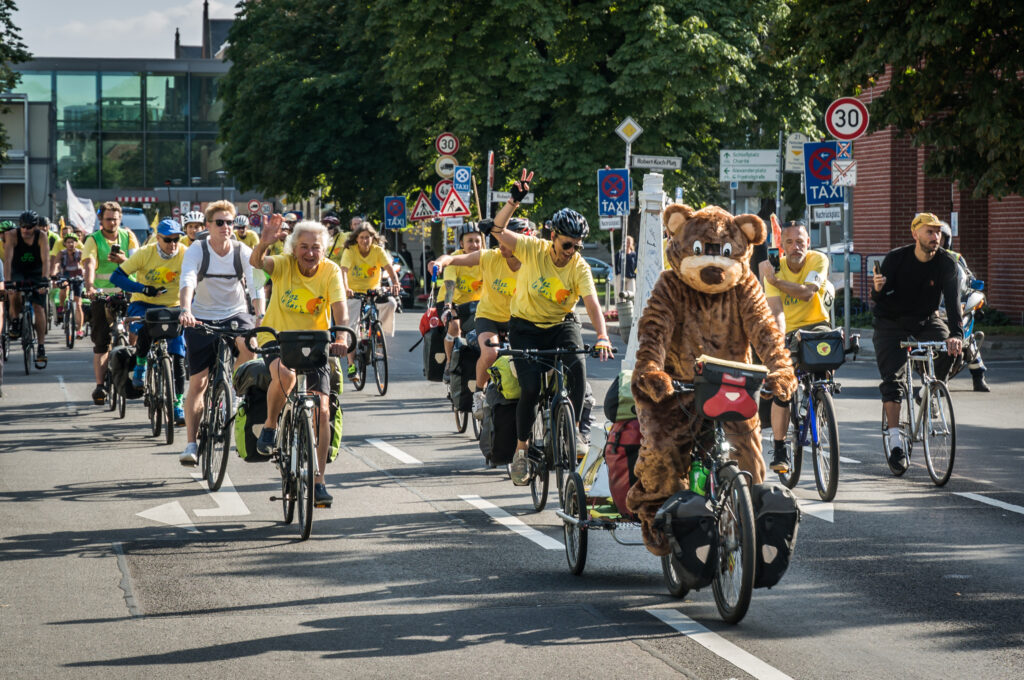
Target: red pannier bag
x,y
620,453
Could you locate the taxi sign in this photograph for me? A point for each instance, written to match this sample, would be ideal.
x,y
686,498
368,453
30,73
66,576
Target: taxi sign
x,y
394,212
613,192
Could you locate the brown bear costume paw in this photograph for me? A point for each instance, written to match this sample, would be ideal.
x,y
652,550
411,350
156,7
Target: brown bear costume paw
x,y
656,541
655,384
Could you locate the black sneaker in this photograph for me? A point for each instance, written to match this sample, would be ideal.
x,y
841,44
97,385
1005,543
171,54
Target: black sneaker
x,y
898,460
780,459
265,444
99,395
979,382
321,498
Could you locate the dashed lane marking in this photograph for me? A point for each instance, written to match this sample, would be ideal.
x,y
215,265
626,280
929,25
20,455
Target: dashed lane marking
x,y
394,452
509,522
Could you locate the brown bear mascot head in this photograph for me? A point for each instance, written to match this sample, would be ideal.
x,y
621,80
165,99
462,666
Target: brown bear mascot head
x,y
709,248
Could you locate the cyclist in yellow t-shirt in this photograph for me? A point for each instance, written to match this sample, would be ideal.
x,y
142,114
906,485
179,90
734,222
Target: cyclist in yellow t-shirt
x,y
336,244
194,224
242,232
361,265
457,300
796,296
553,278
307,291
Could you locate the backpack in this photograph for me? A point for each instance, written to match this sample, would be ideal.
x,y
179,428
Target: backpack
x,y
621,450
498,427
463,374
776,518
691,528
503,373
618,400
122,362
204,267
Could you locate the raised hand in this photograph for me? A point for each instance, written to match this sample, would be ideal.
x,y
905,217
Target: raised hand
x,y
521,187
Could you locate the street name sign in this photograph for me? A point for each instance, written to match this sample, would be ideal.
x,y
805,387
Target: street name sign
x,y
656,162
503,196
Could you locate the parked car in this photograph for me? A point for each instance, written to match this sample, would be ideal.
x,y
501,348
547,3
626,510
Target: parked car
x,y
406,279
135,219
601,270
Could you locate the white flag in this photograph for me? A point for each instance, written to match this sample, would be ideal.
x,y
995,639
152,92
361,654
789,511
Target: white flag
x,y
81,212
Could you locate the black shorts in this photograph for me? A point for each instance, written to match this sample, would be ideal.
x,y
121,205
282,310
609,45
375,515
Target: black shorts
x,y
200,346
499,328
317,380
32,296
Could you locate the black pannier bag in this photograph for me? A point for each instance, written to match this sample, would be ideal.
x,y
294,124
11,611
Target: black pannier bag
x,y
819,351
162,323
121,363
433,355
727,390
498,427
689,523
304,350
462,377
776,518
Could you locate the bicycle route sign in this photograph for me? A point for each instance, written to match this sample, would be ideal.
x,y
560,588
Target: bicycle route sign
x,y
394,212
613,192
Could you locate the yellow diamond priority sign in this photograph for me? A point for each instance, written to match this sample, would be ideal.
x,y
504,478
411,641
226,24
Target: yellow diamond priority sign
x,y
628,130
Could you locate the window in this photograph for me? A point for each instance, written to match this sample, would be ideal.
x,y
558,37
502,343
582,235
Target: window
x,y
76,159
205,109
38,85
121,102
77,108
166,102
205,161
122,161
165,159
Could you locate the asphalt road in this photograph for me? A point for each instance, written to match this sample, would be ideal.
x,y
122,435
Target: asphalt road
x,y
116,562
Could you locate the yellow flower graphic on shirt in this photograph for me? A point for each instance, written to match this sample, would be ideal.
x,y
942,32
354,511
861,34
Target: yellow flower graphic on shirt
x,y
552,288
301,301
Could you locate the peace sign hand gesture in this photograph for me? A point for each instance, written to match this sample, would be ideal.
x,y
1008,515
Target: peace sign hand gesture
x,y
521,187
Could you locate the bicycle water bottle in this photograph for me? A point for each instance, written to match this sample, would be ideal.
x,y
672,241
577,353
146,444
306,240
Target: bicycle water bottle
x,y
698,477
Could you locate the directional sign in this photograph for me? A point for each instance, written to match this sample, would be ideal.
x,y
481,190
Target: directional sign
x,y
844,172
462,179
795,152
846,118
818,157
628,130
447,144
613,192
445,166
441,190
394,212
453,206
748,165
423,210
254,206
502,196
656,162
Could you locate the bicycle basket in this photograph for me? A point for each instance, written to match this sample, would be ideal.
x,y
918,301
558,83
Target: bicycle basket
x,y
304,350
820,350
162,323
727,390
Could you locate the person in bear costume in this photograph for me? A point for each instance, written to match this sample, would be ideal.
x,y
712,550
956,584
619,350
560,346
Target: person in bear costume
x,y
708,302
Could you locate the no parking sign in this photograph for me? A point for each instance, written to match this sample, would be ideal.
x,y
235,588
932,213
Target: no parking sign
x,y
613,192
394,212
818,157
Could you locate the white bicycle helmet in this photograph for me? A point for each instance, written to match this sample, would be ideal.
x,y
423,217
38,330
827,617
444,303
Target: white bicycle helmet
x,y
194,216
241,221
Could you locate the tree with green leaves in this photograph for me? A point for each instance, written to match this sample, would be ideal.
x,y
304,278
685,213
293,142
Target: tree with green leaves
x,y
12,51
956,85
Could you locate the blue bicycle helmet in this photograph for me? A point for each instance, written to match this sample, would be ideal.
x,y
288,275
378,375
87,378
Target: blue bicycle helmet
x,y
568,222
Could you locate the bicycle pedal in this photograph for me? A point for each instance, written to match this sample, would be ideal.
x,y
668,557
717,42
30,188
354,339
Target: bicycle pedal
x,y
838,388
321,505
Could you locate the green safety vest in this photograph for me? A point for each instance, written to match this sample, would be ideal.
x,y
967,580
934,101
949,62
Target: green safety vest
x,y
104,267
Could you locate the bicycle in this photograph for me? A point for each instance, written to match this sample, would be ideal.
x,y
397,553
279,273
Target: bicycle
x,y
27,319
297,425
158,394
67,316
813,416
934,425
553,441
213,437
117,306
370,347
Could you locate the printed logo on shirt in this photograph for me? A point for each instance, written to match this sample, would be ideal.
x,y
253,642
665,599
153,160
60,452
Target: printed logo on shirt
x,y
160,275
302,301
506,287
551,288
362,271
468,285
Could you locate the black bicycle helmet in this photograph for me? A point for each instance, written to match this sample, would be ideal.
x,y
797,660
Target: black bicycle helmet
x,y
467,228
568,222
29,218
519,225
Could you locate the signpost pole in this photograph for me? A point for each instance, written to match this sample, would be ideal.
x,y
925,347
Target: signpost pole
x,y
620,287
778,181
615,279
847,223
827,228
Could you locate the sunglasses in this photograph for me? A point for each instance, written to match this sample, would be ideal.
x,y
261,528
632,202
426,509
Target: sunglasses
x,y
222,223
28,226
569,245
170,239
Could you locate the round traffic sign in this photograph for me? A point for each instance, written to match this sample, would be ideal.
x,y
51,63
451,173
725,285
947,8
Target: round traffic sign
x,y
442,188
819,164
846,118
176,211
265,208
445,166
395,207
254,206
613,186
447,144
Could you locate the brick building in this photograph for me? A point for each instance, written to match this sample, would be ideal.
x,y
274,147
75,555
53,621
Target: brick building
x,y
892,188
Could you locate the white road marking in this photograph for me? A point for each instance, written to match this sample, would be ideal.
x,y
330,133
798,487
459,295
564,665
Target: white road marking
x,y
68,408
509,522
229,503
743,660
394,452
844,459
991,501
825,511
170,513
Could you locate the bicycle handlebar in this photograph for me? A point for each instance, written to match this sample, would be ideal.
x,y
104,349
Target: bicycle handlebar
x,y
250,334
930,344
537,354
682,388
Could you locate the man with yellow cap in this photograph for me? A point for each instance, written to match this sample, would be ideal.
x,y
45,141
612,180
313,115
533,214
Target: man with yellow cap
x,y
906,292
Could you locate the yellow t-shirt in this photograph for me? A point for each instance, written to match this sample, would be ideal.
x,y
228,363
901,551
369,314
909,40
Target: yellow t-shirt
x,y
336,248
364,272
499,287
250,239
800,313
151,269
546,293
301,303
467,282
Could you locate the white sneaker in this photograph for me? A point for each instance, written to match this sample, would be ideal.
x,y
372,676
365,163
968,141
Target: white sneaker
x,y
190,457
582,446
519,468
478,405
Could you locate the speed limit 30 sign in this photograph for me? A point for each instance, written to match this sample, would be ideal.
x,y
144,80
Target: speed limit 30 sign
x,y
846,118
447,144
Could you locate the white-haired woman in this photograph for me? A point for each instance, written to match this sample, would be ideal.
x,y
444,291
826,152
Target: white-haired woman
x,y
307,290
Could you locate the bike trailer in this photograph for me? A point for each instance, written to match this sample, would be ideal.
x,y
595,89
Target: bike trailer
x,y
498,427
304,350
618,400
162,323
776,518
689,523
463,374
621,450
503,373
727,390
433,354
819,351
121,363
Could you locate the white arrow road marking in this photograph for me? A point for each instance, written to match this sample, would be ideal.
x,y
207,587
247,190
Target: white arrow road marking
x,y
991,501
509,522
844,459
229,503
825,511
394,452
169,513
743,660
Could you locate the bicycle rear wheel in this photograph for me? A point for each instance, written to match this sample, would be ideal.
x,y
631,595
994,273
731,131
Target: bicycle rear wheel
x,y
476,427
461,417
575,505
564,443
734,577
540,478
379,358
219,435
165,390
306,467
108,387
939,432
152,398
284,464
359,377
670,569
69,323
826,450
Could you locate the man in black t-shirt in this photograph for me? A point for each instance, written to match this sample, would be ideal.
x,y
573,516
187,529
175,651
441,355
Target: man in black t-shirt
x,y
906,295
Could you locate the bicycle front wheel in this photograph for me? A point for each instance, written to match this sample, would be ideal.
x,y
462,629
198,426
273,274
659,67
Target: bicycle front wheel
x,y
28,344
826,449
108,387
219,435
122,404
165,390
939,432
379,358
153,401
359,377
734,577
575,533
564,442
306,469
797,434
540,478
69,324
284,463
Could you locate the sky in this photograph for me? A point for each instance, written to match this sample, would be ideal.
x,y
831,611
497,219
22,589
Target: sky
x,y
112,28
